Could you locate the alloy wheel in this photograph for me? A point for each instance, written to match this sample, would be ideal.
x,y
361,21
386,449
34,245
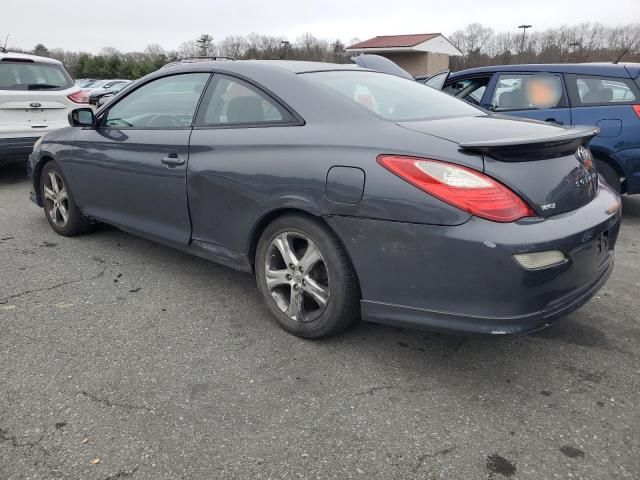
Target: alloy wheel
x,y
56,199
297,276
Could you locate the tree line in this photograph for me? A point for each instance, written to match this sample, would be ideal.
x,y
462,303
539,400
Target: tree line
x,y
479,44
587,42
112,63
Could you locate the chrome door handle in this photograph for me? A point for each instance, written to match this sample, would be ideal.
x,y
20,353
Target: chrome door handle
x,y
173,161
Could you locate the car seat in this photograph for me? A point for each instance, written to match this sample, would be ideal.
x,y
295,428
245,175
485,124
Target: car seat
x,y
601,95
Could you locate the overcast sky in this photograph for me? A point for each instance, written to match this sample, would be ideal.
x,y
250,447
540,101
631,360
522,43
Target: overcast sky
x,y
133,24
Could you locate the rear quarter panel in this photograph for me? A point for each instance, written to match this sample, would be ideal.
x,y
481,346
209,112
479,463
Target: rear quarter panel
x,y
238,176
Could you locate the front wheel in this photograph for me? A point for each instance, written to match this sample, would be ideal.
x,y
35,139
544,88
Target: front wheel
x,y
59,207
306,277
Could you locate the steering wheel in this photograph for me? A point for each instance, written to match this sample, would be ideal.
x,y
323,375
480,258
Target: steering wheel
x,y
162,120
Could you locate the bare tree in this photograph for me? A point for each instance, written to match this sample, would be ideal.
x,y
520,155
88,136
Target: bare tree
x,y
233,46
155,51
188,49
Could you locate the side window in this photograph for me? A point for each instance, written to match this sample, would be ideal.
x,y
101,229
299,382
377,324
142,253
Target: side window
x,y
457,86
469,89
168,102
518,91
591,90
436,81
231,101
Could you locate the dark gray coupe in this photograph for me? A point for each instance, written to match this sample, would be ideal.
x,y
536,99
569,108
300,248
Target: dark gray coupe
x,y
350,194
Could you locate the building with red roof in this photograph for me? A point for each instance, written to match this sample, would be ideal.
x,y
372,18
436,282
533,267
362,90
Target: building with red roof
x,y
419,54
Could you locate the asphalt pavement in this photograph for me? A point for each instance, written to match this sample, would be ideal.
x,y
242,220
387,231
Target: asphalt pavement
x,y
121,358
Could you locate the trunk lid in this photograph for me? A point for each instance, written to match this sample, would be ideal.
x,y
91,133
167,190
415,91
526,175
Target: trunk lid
x,y
33,94
381,64
547,165
33,109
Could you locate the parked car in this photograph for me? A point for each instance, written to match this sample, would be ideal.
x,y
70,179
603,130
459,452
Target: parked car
x,y
346,192
36,96
104,84
102,95
605,95
85,82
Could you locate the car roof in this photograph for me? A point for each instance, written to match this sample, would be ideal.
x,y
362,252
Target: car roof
x,y
294,66
604,69
7,56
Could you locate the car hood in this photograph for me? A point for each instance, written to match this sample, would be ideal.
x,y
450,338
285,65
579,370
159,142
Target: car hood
x,y
483,131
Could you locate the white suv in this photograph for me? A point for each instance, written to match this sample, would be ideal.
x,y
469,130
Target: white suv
x,y
36,95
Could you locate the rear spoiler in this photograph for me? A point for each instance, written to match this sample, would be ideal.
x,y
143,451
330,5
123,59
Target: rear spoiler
x,y
529,148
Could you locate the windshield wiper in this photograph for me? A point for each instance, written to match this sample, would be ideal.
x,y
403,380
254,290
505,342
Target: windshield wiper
x,y
41,86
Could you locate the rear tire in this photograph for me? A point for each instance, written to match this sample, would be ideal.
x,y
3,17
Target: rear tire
x,y
610,176
306,277
59,207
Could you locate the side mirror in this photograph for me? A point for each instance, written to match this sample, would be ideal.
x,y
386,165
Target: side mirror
x,y
82,117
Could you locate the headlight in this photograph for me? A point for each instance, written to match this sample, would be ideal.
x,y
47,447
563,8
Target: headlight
x,y
36,145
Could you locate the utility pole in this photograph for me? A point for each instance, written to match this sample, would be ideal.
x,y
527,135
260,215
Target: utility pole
x,y
284,44
574,52
524,31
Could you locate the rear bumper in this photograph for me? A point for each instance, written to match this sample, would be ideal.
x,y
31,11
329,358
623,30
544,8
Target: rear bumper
x,y
403,316
464,278
14,150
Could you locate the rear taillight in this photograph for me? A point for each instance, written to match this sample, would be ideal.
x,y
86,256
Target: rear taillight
x,y
636,108
79,97
462,187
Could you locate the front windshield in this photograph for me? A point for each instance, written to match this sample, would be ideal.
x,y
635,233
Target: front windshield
x,y
393,98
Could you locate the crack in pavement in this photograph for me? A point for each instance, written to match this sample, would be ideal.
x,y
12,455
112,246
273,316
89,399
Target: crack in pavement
x,y
423,457
110,404
372,390
13,440
53,287
39,341
123,474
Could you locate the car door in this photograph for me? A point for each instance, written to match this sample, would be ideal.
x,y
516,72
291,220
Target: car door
x,y
130,170
606,102
611,104
537,95
241,136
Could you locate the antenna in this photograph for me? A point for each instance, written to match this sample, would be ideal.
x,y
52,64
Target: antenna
x,y
621,55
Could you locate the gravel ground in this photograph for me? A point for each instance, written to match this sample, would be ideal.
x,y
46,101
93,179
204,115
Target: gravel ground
x,y
120,358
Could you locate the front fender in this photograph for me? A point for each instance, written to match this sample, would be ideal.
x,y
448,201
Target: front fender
x,y
57,146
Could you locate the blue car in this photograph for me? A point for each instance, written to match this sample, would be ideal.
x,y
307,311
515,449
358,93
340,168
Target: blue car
x,y
599,94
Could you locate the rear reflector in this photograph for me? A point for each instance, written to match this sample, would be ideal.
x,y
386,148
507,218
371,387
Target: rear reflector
x,y
537,260
79,97
462,187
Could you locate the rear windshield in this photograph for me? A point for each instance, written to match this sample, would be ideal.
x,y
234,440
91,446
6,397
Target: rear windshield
x,y
33,76
393,98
